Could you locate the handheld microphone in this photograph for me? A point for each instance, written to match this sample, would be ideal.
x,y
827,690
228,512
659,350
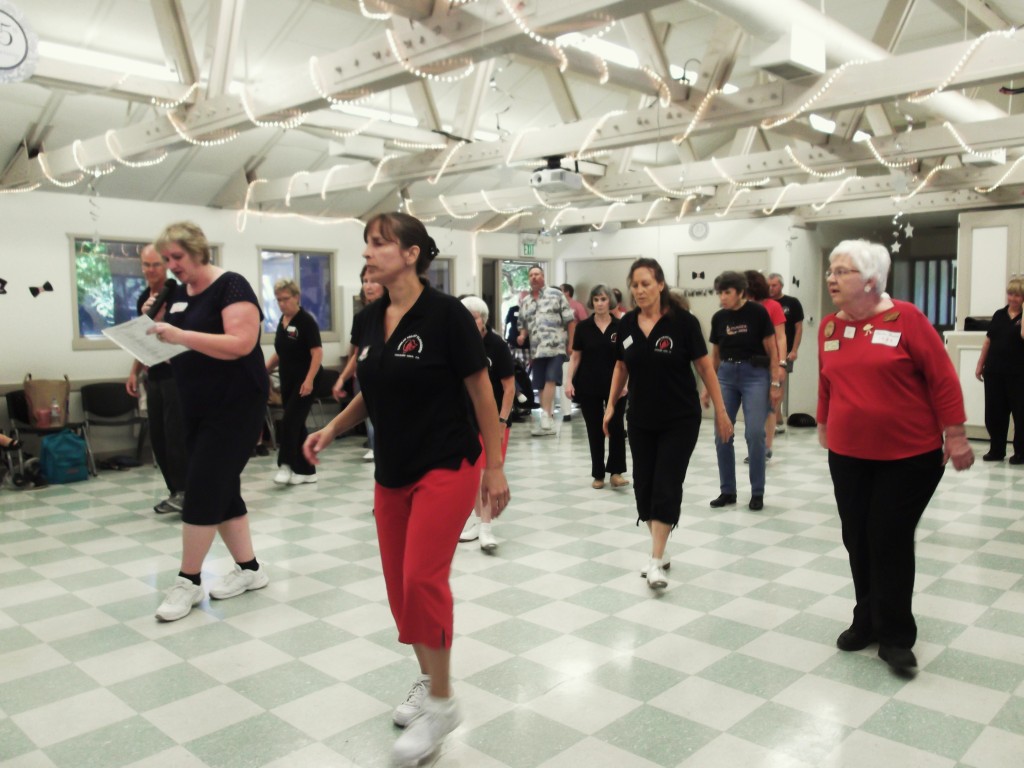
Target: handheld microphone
x,y
162,297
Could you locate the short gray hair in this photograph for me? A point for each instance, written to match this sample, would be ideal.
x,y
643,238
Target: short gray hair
x,y
478,306
775,276
871,259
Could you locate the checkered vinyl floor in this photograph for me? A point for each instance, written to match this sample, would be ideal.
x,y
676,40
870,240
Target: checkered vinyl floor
x,y
563,656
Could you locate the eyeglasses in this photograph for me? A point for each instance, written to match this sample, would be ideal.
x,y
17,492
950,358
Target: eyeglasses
x,y
840,272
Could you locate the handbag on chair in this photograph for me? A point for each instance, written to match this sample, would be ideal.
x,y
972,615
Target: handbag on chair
x,y
47,401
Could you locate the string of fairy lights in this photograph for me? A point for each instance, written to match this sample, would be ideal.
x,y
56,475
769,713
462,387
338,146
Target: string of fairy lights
x,y
402,51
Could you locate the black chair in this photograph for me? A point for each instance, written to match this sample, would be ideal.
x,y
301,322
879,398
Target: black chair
x,y
108,404
21,424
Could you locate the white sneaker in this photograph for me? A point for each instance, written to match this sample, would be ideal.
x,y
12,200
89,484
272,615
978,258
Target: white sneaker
x,y
656,578
368,456
239,581
436,719
296,479
408,709
665,565
284,474
547,421
487,541
179,599
472,529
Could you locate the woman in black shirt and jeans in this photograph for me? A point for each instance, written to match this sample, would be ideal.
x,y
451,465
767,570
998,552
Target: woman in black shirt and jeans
x,y
1001,367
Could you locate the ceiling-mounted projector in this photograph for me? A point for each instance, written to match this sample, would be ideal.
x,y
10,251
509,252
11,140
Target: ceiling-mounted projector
x,y
556,178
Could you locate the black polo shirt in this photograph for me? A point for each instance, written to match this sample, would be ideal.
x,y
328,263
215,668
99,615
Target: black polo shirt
x,y
740,333
662,388
598,353
294,345
160,371
499,364
1005,346
206,383
794,312
414,389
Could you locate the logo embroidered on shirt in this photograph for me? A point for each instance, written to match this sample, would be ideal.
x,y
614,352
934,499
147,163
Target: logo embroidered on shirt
x,y
663,344
410,347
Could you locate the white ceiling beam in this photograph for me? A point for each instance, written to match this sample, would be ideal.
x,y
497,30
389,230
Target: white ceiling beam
x,y
978,10
471,99
644,41
561,96
82,78
177,44
417,10
719,57
366,67
423,105
225,25
888,33
874,81
925,143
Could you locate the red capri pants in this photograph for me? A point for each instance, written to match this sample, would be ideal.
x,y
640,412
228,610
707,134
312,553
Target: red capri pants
x,y
418,528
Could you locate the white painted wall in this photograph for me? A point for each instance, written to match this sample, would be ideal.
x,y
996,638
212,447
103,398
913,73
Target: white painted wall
x,y
793,251
35,247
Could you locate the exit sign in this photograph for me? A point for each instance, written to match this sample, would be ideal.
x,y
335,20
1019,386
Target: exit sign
x,y
528,249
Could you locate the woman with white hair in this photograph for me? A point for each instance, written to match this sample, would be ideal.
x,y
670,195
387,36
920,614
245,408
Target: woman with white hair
x,y
501,372
891,414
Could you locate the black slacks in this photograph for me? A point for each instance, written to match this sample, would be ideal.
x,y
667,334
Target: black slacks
x,y
167,431
1004,397
293,432
593,417
660,459
880,504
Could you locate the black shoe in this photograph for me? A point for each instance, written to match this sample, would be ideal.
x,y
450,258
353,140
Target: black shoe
x,y
1017,458
992,457
897,658
723,499
262,450
756,503
852,640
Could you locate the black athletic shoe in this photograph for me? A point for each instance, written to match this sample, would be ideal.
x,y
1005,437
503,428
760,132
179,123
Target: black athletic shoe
x,y
992,457
852,640
898,658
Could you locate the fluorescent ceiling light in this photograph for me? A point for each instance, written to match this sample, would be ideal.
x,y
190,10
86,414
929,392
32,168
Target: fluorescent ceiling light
x,y
108,61
822,124
377,114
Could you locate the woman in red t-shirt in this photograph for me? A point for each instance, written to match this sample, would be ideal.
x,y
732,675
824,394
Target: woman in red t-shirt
x,y
891,414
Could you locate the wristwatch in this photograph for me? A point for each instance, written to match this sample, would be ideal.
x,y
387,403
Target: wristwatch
x,y
503,421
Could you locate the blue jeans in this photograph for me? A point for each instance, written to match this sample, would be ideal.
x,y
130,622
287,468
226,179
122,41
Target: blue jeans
x,y
743,383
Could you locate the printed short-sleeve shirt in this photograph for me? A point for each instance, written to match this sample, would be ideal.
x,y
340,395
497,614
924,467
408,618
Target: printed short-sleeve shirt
x,y
547,320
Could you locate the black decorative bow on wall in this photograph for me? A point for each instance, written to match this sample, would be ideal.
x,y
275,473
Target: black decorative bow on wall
x,y
44,288
3,286
695,275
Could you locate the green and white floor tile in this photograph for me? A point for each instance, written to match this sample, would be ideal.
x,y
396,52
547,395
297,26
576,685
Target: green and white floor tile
x,y
563,656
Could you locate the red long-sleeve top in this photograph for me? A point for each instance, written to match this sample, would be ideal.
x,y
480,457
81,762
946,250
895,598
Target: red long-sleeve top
x,y
886,386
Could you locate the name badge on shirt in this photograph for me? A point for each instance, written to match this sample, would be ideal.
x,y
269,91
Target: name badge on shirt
x,y
179,306
888,338
292,332
849,332
628,342
832,345
363,353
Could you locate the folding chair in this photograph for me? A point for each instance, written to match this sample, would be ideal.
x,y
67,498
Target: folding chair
x,y
108,404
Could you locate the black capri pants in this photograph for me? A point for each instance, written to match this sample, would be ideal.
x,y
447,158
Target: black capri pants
x,y
219,442
880,504
660,460
593,417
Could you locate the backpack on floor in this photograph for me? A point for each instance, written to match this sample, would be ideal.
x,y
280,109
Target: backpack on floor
x,y
63,458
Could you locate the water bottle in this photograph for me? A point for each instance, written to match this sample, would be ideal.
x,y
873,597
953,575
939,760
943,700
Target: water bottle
x,y
54,411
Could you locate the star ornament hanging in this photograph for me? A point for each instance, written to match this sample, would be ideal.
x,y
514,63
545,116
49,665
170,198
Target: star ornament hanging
x,y
896,246
908,230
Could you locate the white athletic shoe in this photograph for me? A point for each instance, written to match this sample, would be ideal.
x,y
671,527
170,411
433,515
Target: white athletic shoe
x,y
665,565
472,529
284,474
424,734
487,541
408,709
297,479
368,456
179,599
656,578
238,581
